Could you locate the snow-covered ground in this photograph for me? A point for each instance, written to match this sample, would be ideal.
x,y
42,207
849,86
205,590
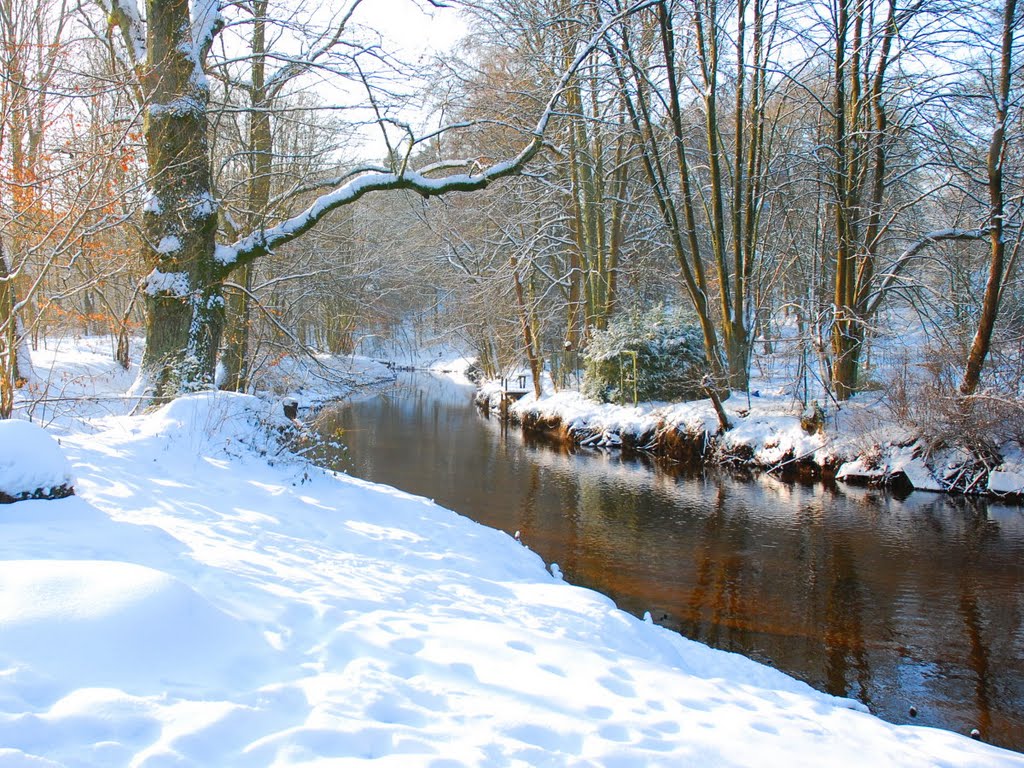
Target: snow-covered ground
x,y
768,427
862,442
205,600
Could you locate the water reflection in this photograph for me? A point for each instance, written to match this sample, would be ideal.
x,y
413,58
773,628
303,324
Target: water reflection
x,y
895,602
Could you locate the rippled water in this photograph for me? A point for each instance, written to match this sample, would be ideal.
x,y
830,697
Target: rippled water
x,y
898,603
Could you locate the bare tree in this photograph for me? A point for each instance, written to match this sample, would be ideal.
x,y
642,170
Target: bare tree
x,y
997,223
709,182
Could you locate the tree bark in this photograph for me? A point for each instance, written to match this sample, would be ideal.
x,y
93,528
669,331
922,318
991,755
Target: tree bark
x,y
529,342
8,339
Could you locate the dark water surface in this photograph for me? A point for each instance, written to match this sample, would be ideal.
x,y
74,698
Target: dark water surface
x,y
893,602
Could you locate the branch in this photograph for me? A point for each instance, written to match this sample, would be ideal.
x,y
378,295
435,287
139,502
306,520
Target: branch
x,y
910,253
279,79
277,323
206,23
262,242
125,15
337,181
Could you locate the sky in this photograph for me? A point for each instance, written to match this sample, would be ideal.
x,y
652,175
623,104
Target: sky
x,y
414,27
414,32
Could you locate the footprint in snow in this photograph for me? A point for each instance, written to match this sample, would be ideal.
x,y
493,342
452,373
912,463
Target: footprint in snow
x,y
409,645
617,686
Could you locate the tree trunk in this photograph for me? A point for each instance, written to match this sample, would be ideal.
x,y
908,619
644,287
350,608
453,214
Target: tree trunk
x,y
261,144
529,342
184,302
8,340
860,147
235,358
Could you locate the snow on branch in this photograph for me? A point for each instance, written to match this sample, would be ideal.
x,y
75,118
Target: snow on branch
x,y
338,181
912,251
206,23
263,241
125,15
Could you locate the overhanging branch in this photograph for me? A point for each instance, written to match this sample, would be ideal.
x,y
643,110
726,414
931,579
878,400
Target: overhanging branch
x,y
911,253
261,242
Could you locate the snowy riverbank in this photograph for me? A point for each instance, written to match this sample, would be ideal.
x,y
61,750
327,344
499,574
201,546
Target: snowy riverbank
x,y
769,432
205,600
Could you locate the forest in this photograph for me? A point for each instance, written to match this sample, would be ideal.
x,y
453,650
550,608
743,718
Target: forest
x,y
757,260
835,181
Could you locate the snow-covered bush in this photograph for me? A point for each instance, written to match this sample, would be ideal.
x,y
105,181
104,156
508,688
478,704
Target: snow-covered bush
x,y
32,464
669,359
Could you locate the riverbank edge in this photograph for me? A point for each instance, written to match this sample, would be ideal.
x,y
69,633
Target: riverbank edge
x,y
793,447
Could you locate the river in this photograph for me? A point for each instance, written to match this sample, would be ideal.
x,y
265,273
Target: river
x,y
899,603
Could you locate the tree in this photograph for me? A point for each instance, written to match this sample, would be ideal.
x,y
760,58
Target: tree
x,y
709,186
29,66
568,225
860,148
61,184
997,223
876,181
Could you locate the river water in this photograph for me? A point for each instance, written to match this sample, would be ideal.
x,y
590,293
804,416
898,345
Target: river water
x,y
897,603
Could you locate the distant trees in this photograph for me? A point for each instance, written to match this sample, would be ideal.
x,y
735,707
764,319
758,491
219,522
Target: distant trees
x,y
777,155
62,211
30,62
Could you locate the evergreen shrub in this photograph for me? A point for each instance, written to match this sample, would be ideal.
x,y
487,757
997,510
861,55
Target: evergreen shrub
x,y
670,358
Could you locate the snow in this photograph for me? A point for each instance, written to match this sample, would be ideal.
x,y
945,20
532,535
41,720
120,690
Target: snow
x,y
134,628
171,283
204,206
136,25
314,380
1005,482
770,433
224,254
895,460
152,203
179,107
1008,477
206,20
30,459
169,244
205,600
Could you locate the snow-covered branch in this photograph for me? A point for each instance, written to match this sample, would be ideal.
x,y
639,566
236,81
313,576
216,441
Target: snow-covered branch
x,y
206,23
259,243
262,242
908,255
125,15
338,181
